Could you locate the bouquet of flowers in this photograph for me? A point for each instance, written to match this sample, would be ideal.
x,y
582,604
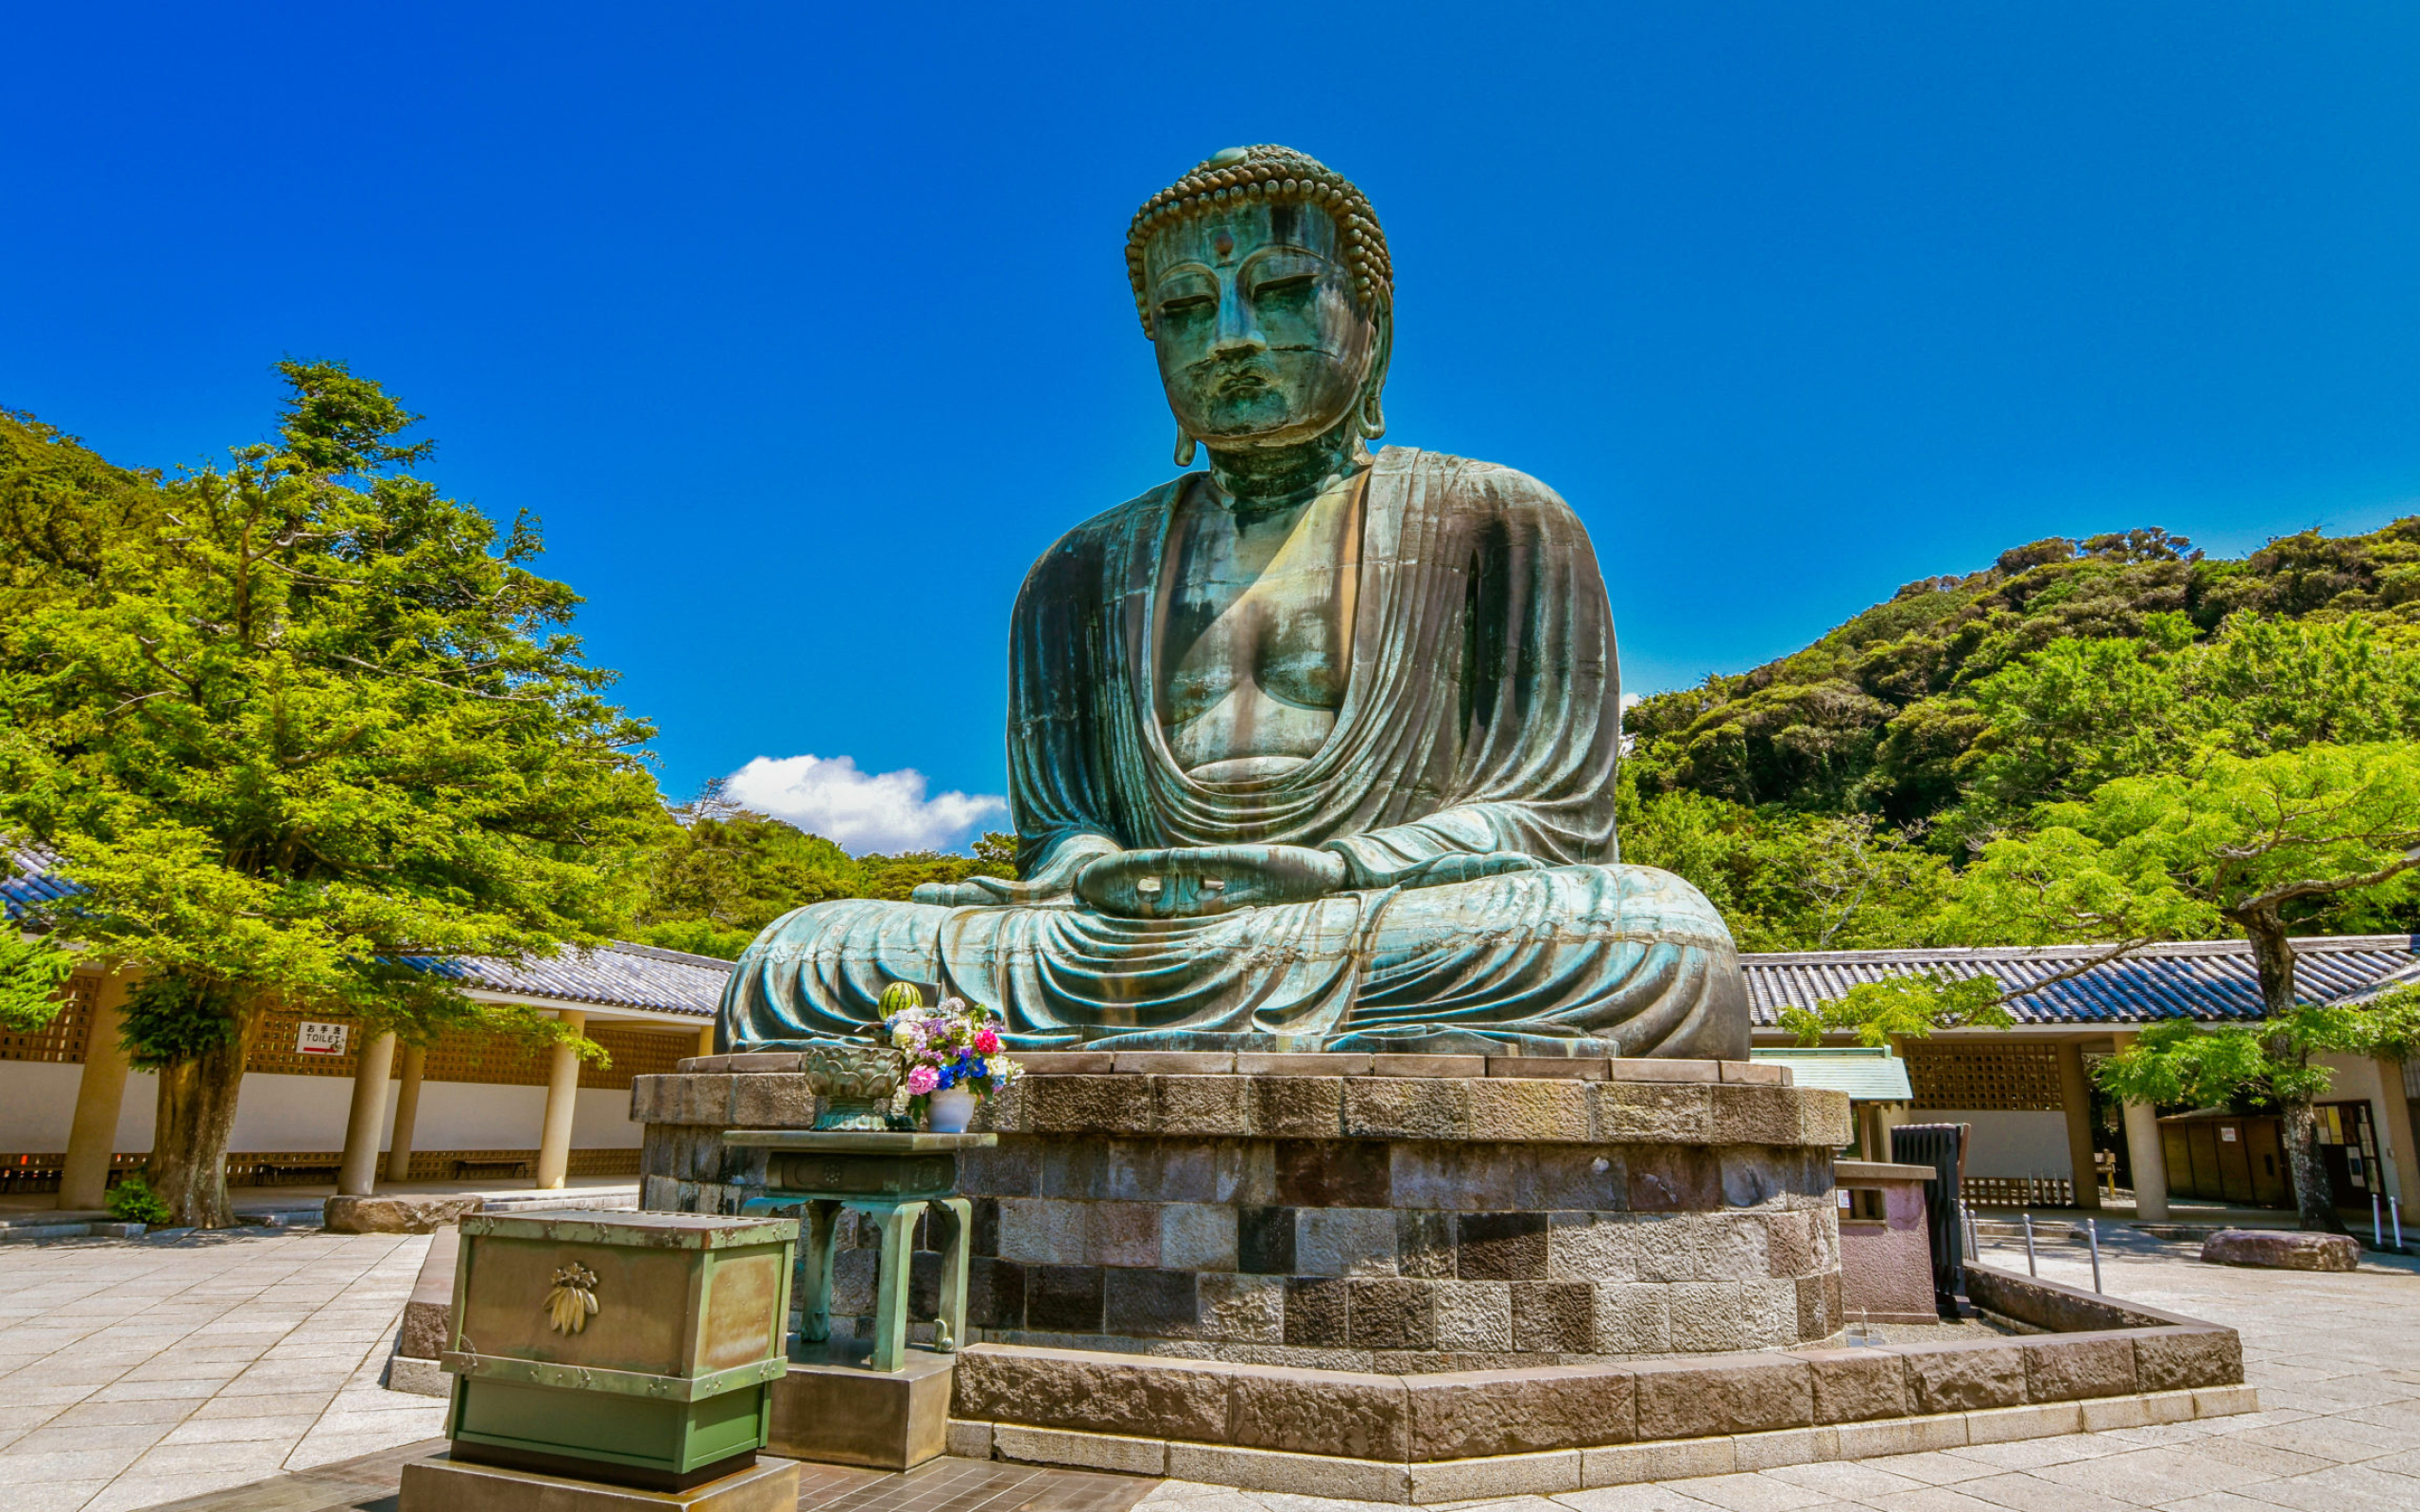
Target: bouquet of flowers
x,y
950,1048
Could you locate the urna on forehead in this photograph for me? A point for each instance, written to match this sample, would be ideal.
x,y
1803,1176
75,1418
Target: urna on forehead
x,y
1276,176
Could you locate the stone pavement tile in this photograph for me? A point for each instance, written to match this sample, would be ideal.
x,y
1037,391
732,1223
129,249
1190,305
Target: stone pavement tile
x,y
1846,1480
53,1437
94,1412
1633,1498
2030,1493
267,1404
1752,1493
1933,1467
290,1427
78,1465
2254,1454
323,1447
1932,1499
160,1390
2147,1477
255,1458
17,1419
2220,1502
48,1495
1195,1496
2332,1438
2342,1488
2031,1454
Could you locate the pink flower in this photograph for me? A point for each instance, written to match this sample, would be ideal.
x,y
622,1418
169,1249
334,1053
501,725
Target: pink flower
x,y
987,1042
921,1080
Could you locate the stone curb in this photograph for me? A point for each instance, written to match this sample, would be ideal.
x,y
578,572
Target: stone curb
x,y
1556,1472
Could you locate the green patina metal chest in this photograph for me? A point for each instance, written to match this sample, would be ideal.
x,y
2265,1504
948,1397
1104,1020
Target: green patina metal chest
x,y
629,1347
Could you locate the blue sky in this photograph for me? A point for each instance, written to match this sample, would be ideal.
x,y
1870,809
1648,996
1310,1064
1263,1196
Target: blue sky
x,y
804,331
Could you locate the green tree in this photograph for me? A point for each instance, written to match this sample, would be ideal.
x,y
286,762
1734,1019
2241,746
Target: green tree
x,y
2261,844
286,720
715,879
1899,1008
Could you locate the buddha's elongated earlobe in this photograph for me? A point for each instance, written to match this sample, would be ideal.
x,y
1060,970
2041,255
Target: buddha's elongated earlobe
x,y
1374,417
1369,411
1183,447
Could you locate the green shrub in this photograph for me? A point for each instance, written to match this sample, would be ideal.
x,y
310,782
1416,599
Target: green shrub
x,y
133,1201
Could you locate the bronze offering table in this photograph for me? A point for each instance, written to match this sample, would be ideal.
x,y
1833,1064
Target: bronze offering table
x,y
598,1350
892,1178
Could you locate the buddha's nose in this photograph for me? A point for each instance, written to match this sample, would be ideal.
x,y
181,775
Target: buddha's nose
x,y
1239,333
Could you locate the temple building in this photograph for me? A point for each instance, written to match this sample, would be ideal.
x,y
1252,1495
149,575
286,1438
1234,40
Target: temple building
x,y
2043,1138
481,1107
474,1106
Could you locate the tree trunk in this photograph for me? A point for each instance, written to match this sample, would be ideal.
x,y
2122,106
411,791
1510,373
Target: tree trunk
x,y
2273,954
2314,1199
196,1114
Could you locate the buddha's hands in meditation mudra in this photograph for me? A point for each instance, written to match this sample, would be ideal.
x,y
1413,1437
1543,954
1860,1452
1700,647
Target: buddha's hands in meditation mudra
x,y
1190,883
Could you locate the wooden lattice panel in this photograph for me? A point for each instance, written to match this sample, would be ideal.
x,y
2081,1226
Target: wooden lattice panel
x,y
475,1055
2003,1077
637,1053
274,1049
61,1041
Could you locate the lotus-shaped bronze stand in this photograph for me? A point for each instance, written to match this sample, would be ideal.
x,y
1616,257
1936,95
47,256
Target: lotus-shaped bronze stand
x,y
856,1083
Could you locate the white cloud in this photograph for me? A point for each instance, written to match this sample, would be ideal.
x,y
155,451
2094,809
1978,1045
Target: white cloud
x,y
859,811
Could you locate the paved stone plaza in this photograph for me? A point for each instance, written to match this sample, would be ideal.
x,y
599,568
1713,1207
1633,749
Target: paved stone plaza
x,y
134,1373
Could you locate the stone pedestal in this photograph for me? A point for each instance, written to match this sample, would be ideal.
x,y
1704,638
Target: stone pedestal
x,y
840,1411
1399,1213
438,1483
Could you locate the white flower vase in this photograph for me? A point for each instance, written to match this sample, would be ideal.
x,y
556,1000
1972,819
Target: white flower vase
x,y
951,1109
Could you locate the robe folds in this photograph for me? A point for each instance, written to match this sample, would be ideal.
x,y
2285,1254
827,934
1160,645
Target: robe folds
x,y
1482,714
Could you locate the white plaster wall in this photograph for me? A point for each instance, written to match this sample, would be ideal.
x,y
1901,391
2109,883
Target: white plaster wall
x,y
308,1113
298,1113
37,1104
601,1121
2007,1143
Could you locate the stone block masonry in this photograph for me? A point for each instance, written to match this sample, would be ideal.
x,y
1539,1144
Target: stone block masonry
x,y
1396,1214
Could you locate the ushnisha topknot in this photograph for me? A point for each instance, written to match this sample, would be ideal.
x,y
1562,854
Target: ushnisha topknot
x,y
1269,172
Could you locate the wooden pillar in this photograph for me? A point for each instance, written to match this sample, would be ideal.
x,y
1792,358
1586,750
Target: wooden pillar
x,y
2075,1095
92,1138
358,1176
2393,1112
399,1149
562,1095
706,1040
2146,1154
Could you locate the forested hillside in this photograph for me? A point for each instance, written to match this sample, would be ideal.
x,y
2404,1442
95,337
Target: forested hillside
x,y
1827,799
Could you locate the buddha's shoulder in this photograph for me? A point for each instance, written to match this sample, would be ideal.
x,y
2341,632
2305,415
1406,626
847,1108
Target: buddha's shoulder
x,y
1469,483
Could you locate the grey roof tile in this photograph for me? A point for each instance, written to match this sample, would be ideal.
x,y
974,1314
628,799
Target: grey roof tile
x,y
2208,981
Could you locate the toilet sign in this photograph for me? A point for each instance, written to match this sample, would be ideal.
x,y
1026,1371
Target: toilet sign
x,y
319,1039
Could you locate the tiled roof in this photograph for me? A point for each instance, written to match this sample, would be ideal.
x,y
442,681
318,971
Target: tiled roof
x,y
25,877
2211,981
616,975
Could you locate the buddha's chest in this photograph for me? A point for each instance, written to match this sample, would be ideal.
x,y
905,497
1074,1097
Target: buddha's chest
x,y
1256,630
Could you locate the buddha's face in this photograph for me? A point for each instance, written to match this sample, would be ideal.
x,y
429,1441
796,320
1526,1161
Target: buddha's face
x,y
1261,341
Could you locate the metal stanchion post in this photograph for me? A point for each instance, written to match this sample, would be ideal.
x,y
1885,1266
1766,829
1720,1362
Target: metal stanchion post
x,y
2395,1210
2378,1224
2031,1266
2092,1232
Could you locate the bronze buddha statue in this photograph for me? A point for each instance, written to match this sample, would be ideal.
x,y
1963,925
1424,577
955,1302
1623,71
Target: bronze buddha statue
x,y
1313,750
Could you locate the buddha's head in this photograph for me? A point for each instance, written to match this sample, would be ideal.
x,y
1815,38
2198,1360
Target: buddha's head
x,y
1263,279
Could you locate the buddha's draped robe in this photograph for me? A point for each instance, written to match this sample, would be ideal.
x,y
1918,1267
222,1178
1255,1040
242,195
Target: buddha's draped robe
x,y
1482,714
